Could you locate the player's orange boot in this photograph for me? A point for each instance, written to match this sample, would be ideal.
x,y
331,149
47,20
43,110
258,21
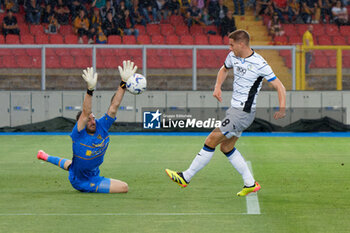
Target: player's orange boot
x,y
246,190
42,155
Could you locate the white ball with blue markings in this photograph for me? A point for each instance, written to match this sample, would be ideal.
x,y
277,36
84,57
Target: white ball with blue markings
x,y
136,84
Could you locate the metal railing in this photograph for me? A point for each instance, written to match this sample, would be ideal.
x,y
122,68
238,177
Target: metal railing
x,y
144,48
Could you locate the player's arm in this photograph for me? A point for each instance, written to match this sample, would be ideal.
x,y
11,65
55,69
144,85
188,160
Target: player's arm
x,y
91,79
126,72
281,90
221,77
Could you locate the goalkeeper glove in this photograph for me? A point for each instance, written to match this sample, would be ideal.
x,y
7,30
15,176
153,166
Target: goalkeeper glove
x,y
90,78
127,71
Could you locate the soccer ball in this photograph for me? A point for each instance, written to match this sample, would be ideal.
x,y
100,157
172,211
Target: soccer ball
x,y
136,84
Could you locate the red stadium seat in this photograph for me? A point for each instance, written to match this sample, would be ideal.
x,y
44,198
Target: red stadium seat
x,y
172,39
319,30
301,28
205,53
332,30
196,30
9,62
71,39
67,61
183,62
27,39
215,40
41,39
154,62
339,40
24,29
153,29
66,30
19,52
329,53
5,52
36,61
201,40
83,61
144,39
12,39
53,62
114,39
167,29
176,20
211,28
100,62
129,39
24,61
181,30
186,40
345,30
182,52
168,62
55,39
158,39
280,40
321,62
62,52
226,40
134,52
36,29
295,40
288,62
141,28
111,62
324,40
33,52
290,30
2,39
332,61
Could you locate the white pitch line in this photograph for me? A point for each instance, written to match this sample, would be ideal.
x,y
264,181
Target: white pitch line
x,y
119,214
253,206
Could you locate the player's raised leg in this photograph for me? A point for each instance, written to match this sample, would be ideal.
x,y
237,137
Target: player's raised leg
x,y
60,162
200,161
239,163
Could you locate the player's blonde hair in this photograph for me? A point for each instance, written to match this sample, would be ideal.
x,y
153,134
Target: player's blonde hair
x,y
240,35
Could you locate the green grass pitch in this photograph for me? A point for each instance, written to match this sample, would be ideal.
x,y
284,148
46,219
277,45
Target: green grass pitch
x,y
305,187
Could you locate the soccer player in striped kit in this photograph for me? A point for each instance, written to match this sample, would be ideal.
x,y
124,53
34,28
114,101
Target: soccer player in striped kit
x,y
249,69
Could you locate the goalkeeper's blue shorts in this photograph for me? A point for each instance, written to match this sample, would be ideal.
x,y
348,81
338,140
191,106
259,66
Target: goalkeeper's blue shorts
x,y
96,184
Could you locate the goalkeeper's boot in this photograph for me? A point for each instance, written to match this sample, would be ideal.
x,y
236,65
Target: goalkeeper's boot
x,y
246,190
42,155
177,177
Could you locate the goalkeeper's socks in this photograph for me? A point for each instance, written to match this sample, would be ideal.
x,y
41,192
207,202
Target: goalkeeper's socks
x,y
200,161
56,161
238,162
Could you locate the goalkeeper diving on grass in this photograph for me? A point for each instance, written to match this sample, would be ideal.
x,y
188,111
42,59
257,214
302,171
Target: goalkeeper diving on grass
x,y
90,139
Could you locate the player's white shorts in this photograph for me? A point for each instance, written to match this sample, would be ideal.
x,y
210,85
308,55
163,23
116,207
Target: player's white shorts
x,y
235,122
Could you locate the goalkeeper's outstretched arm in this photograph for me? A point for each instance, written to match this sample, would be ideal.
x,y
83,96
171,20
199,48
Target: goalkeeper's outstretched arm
x,y
126,72
90,78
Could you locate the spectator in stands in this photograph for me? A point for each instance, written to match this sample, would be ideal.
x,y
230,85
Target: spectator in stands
x,y
174,7
53,25
101,38
185,5
308,40
241,6
62,12
323,8
212,6
275,27
99,3
95,23
110,26
206,19
9,24
107,8
11,5
193,15
263,7
340,14
281,8
74,7
125,25
81,27
150,6
47,10
162,9
228,24
293,10
33,11
136,15
221,12
307,10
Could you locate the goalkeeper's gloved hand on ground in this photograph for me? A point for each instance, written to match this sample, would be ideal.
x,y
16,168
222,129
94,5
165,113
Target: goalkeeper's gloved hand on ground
x,y
90,78
128,70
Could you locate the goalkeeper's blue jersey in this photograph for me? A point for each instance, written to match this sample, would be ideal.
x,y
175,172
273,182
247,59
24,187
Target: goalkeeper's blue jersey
x,y
89,150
